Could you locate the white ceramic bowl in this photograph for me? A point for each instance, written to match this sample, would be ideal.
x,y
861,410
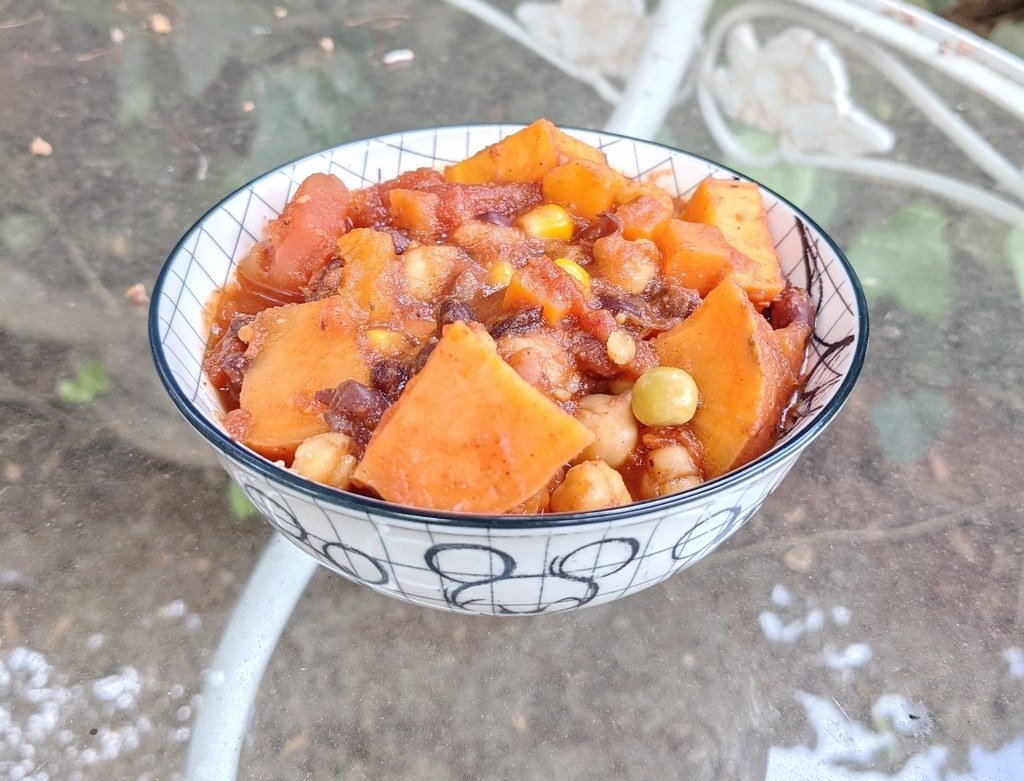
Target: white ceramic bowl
x,y
498,565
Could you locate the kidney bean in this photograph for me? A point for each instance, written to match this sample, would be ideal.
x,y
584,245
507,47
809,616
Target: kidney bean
x,y
226,363
605,225
353,409
792,305
388,376
452,310
495,218
327,282
520,323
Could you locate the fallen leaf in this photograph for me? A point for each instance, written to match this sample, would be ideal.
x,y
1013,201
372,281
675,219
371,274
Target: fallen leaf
x,y
907,426
799,558
137,295
280,12
239,504
90,381
11,633
327,44
160,24
908,258
963,546
60,628
40,147
294,744
940,469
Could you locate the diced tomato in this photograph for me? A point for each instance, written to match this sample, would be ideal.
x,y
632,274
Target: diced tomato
x,y
301,240
370,206
461,203
542,283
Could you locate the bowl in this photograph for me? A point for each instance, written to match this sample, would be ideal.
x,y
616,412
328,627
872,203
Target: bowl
x,y
496,565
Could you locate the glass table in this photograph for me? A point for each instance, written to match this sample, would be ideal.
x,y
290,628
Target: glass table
x,y
867,623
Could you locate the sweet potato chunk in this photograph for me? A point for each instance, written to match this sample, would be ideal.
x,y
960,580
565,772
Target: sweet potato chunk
x,y
415,211
697,256
743,377
584,187
468,434
524,156
294,351
793,341
371,277
736,209
643,209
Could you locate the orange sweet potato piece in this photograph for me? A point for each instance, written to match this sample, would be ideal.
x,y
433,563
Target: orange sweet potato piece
x,y
743,377
300,241
736,209
468,434
524,156
793,341
415,211
584,187
697,256
644,209
371,277
293,351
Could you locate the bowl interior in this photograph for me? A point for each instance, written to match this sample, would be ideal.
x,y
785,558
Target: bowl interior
x,y
204,260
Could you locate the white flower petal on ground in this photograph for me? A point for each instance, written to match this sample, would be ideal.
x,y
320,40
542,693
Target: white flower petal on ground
x,y
795,86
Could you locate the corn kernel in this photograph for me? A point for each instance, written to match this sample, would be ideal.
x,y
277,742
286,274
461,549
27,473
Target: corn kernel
x,y
576,271
387,342
548,221
499,273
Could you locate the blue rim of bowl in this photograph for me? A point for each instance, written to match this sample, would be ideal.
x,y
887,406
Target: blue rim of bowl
x,y
235,451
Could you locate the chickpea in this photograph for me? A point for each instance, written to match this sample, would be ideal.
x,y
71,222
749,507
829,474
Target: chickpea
x,y
632,265
669,470
543,362
665,396
621,347
610,419
592,485
429,268
327,458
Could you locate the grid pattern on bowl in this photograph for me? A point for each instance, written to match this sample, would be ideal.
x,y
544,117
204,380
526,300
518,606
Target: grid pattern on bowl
x,y
501,571
402,557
